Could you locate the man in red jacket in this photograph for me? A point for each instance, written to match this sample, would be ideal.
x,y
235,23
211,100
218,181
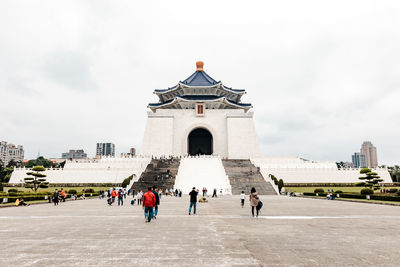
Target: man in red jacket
x,y
149,201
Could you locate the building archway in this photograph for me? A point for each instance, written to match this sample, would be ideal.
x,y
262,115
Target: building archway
x,y
200,142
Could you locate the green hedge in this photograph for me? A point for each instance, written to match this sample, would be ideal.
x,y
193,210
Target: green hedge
x,y
358,196
32,197
334,184
366,191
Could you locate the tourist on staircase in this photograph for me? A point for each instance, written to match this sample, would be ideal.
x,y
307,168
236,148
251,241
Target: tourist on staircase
x,y
149,201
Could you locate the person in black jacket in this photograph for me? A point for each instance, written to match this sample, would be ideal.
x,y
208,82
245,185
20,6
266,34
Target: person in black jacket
x,y
193,200
56,196
157,201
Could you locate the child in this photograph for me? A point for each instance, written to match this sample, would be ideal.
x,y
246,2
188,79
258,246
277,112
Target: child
x,y
242,196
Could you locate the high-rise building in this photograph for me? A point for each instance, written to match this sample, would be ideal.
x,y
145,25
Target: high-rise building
x,y
358,160
10,152
105,149
74,154
371,157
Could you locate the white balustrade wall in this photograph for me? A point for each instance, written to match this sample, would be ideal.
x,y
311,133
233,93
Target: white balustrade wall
x,y
296,170
105,170
202,171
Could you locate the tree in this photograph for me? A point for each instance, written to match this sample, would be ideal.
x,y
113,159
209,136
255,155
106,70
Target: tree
x,y
280,185
40,161
5,173
371,178
395,173
13,163
38,180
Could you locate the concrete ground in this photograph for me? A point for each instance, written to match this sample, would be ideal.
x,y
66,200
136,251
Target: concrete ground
x,y
290,231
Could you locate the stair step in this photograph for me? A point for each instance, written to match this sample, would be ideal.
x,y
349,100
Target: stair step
x,y
242,179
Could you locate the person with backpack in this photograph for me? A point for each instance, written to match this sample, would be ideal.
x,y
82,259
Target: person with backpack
x,y
149,201
255,202
157,201
120,197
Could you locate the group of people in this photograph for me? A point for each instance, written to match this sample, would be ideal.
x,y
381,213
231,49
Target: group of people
x,y
205,190
150,203
59,196
113,194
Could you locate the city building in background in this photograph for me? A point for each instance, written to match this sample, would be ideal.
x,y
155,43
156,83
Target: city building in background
x,y
74,154
10,152
105,149
371,157
358,160
132,152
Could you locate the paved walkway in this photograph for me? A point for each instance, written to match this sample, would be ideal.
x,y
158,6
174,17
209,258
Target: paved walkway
x,y
291,231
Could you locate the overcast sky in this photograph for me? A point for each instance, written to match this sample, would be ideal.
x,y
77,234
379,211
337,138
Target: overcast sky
x,y
323,76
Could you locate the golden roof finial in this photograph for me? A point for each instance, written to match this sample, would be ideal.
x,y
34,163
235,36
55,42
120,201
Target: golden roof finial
x,y
199,65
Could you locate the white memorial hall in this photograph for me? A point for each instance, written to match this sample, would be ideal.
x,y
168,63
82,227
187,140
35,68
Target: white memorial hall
x,y
210,132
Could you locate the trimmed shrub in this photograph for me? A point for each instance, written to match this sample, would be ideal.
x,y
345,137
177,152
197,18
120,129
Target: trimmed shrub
x,y
359,184
338,191
89,190
1,187
280,184
126,182
366,191
72,191
393,190
319,190
12,190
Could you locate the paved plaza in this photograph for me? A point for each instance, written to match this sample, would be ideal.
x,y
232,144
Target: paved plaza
x,y
290,231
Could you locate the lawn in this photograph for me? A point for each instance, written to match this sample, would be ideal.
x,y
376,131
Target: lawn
x,y
51,189
349,189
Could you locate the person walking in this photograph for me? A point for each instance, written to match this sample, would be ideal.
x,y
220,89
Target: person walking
x,y
214,193
120,197
139,197
157,197
63,195
113,195
242,197
254,199
149,201
56,196
193,200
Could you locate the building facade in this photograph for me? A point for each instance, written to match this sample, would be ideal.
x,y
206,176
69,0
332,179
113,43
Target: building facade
x,y
105,149
371,157
200,116
358,160
74,154
10,152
